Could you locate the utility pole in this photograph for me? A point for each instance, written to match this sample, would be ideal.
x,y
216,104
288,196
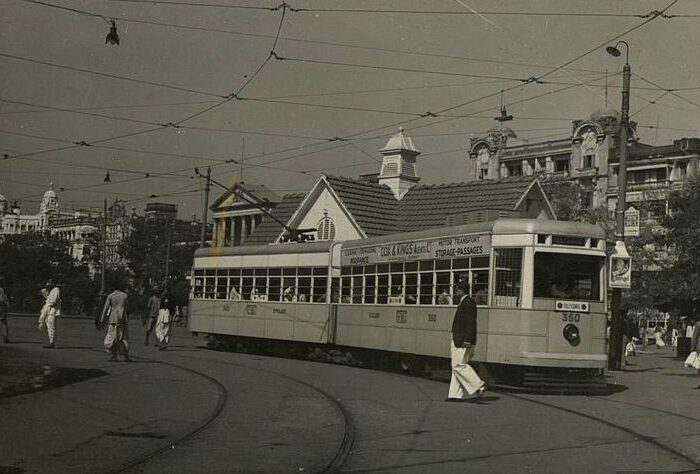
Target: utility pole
x,y
616,330
168,231
205,212
104,250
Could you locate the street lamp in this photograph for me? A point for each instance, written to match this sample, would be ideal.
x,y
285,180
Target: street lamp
x,y
615,356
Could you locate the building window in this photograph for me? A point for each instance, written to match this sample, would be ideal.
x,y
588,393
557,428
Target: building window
x,y
515,170
561,166
588,161
326,228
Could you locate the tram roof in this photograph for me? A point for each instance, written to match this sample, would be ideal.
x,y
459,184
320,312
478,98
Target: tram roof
x,y
270,249
502,226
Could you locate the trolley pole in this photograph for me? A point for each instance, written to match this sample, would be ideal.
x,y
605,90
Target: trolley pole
x,y
616,329
205,212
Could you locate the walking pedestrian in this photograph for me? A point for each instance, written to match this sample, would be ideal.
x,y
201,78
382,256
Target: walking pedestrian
x,y
695,345
464,377
152,308
51,309
164,323
114,314
4,308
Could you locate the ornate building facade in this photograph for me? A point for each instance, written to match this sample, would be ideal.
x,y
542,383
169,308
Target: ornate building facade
x,y
590,157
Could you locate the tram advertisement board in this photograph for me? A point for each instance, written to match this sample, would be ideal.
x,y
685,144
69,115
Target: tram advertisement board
x,y
442,248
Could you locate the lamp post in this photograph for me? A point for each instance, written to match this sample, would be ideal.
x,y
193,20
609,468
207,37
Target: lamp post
x,y
615,355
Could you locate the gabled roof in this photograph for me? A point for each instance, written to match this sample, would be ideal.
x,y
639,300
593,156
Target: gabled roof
x,y
372,205
428,206
257,192
377,212
268,230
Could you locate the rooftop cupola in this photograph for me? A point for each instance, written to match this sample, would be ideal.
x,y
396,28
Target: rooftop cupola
x,y
399,164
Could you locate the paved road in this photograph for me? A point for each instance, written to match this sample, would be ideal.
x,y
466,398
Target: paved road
x,y
190,409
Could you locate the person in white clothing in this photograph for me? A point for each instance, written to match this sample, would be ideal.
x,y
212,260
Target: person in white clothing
x,y
51,309
465,381
164,322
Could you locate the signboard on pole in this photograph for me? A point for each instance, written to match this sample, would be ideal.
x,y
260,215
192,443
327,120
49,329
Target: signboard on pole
x,y
620,268
632,222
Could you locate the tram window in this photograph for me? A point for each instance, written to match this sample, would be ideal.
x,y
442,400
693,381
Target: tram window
x,y
234,288
480,262
221,287
357,289
559,275
443,264
304,289
411,288
460,263
319,289
369,269
357,270
411,266
542,239
370,287
509,263
460,275
234,272
480,286
248,272
260,284
426,288
427,265
275,291
396,289
261,272
345,290
443,279
321,271
396,267
383,268
246,288
383,289
198,284
289,271
275,271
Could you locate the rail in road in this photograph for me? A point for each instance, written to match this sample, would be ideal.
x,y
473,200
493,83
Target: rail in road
x,y
387,422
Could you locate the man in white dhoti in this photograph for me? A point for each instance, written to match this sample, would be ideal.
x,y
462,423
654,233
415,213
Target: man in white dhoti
x,y
115,315
465,381
51,309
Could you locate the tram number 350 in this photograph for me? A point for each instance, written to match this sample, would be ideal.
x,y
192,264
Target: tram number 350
x,y
571,317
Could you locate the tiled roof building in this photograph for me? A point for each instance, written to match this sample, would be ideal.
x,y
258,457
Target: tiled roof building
x,y
341,208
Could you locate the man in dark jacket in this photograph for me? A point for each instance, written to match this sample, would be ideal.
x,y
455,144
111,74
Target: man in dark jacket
x,y
464,378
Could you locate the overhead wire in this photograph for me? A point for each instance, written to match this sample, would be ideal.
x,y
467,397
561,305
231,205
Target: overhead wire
x,y
489,95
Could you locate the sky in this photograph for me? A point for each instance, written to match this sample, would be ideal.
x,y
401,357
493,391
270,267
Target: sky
x,y
194,84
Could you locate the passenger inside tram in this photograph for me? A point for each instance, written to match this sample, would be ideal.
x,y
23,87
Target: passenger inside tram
x,y
234,294
444,297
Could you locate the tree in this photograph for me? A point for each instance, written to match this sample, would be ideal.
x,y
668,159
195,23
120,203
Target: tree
x,y
681,279
571,202
146,249
27,261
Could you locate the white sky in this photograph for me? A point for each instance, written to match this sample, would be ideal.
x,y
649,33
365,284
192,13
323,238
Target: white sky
x,y
497,46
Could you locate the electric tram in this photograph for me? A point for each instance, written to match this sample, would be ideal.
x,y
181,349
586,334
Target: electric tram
x,y
540,286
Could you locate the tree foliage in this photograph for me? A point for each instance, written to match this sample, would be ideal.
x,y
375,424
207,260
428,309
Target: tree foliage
x,y
27,261
148,246
681,277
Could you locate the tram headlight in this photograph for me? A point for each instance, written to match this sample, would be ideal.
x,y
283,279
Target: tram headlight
x,y
572,335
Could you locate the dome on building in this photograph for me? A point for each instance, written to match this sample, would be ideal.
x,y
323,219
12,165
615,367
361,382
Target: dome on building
x,y
50,201
604,113
502,130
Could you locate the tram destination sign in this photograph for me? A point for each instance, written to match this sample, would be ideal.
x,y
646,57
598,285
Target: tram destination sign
x,y
442,248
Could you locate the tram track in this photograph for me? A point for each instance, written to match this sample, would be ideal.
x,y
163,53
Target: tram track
x,y
332,466
645,438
